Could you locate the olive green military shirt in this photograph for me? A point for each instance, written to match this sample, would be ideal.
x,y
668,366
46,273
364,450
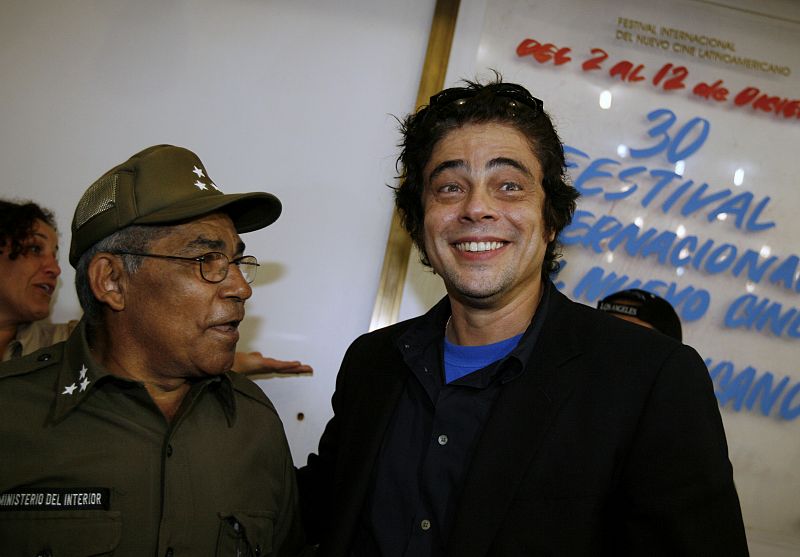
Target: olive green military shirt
x,y
90,466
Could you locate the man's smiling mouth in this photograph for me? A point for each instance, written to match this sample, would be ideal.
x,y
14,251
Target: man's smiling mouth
x,y
479,246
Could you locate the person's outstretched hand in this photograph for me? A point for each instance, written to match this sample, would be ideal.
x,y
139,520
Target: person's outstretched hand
x,y
254,363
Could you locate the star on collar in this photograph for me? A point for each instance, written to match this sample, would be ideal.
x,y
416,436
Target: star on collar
x,y
82,380
200,185
199,172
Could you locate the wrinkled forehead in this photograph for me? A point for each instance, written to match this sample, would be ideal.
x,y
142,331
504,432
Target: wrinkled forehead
x,y
212,232
483,146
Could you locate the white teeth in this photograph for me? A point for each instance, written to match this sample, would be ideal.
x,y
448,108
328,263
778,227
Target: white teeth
x,y
479,246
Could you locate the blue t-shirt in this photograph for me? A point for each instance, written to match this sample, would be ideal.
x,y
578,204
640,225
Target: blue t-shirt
x,y
463,360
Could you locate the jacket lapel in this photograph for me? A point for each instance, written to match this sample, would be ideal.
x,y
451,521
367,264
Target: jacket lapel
x,y
511,439
371,420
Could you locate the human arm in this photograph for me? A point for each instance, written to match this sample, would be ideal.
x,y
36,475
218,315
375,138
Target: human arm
x,y
677,486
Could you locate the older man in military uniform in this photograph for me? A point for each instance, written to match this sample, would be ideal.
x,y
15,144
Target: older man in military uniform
x,y
132,438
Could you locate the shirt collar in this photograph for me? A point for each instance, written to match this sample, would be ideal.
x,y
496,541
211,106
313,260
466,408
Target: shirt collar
x,y
80,375
27,334
430,329
218,386
35,335
522,353
12,351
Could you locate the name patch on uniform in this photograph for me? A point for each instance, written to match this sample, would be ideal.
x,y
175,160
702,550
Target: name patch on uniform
x,y
56,499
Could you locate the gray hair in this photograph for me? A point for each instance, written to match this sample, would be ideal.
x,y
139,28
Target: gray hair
x,y
131,238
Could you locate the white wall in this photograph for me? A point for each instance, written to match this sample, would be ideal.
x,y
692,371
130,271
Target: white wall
x,y
293,97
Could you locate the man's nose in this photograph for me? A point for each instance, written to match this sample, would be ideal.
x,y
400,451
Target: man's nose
x,y
235,285
479,205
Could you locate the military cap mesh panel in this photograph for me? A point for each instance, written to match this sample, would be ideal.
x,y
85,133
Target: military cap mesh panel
x,y
98,198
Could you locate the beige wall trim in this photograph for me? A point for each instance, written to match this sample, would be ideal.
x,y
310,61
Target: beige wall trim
x,y
398,246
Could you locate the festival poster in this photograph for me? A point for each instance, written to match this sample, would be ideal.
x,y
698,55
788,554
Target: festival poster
x,y
681,122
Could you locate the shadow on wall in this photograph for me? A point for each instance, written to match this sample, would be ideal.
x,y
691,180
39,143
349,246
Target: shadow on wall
x,y
268,273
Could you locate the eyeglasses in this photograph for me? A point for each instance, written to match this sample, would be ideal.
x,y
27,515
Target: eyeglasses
x,y
461,95
213,265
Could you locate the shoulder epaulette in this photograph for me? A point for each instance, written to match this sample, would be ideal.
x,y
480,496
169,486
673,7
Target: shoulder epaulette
x,y
44,357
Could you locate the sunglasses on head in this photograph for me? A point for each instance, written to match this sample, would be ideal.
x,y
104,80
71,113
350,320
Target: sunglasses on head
x,y
512,91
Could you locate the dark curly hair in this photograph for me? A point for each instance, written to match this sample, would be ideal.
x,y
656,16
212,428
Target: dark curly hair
x,y
16,225
476,103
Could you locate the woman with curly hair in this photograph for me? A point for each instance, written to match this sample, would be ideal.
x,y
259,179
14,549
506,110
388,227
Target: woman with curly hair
x,y
28,275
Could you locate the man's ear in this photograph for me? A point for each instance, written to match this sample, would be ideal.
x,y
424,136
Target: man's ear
x,y
107,280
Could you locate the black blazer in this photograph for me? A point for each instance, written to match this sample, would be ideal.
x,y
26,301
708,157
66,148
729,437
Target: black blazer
x,y
610,443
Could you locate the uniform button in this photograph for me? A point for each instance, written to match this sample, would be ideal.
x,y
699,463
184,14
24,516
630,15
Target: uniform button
x,y
44,358
169,450
425,524
442,439
169,552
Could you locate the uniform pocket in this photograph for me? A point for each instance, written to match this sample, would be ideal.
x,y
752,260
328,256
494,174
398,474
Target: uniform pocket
x,y
60,533
245,533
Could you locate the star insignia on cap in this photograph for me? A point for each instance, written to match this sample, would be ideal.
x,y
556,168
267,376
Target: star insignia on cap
x,y
200,185
83,371
199,172
69,389
213,185
84,384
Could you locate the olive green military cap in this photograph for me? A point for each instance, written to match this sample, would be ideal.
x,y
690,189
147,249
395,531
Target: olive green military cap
x,y
161,185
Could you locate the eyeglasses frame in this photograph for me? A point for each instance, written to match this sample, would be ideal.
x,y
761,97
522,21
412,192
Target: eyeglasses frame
x,y
238,261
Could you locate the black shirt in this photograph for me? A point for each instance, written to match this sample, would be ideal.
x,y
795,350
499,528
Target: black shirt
x,y
429,441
